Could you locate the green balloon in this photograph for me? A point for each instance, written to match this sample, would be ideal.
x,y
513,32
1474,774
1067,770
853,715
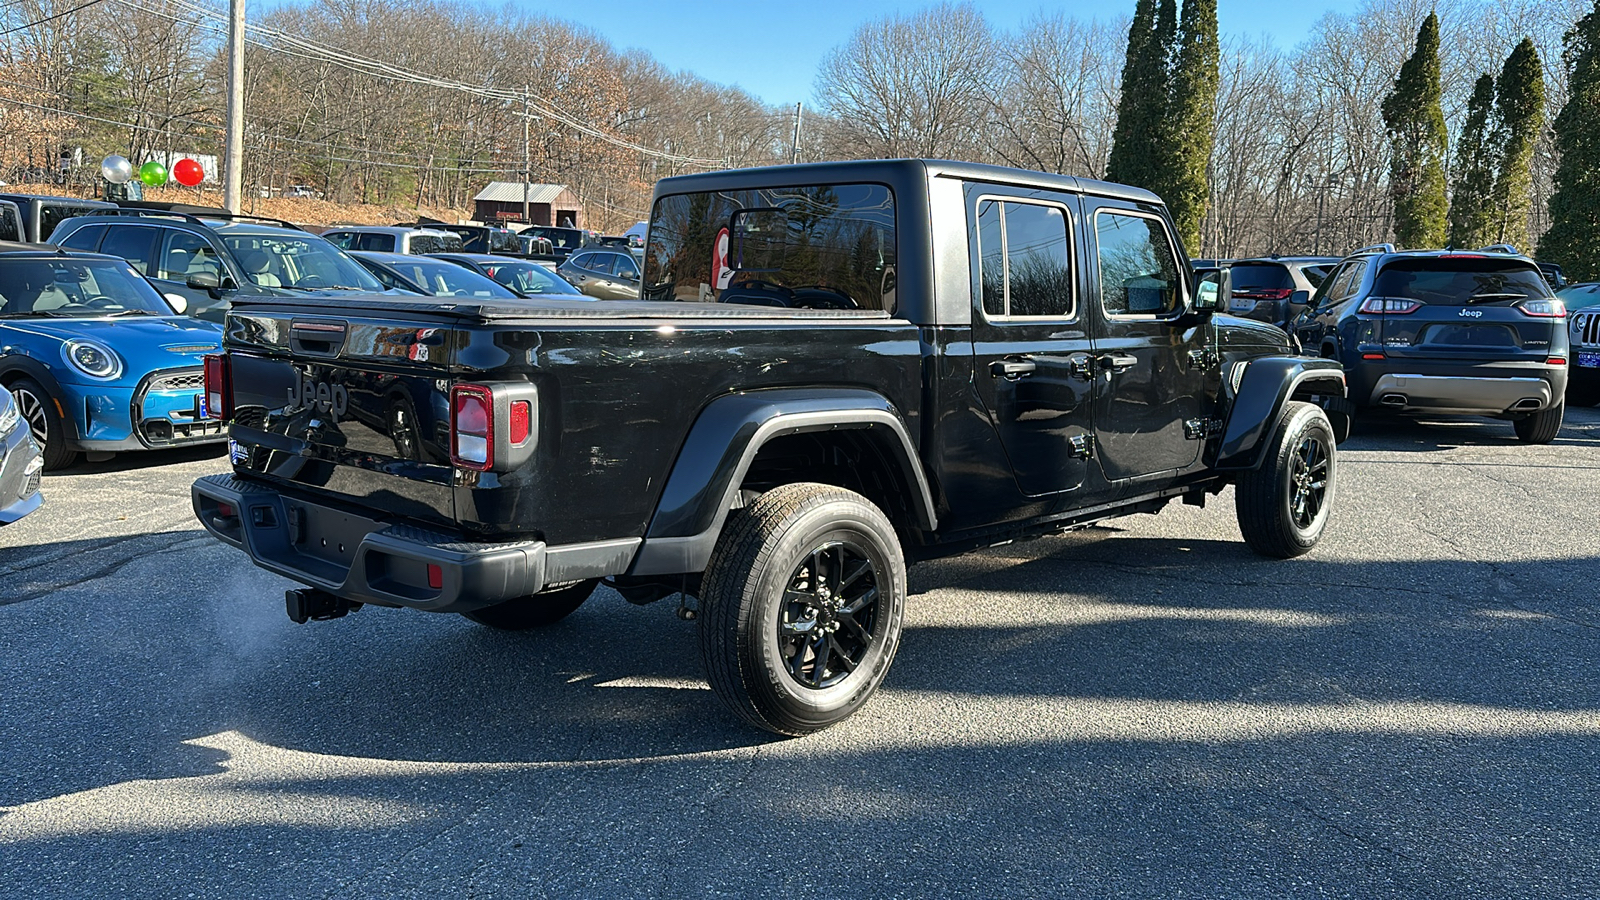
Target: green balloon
x,y
153,174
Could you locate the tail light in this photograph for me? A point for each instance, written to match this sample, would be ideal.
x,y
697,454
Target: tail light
x,y
217,401
1263,293
472,426
1542,308
1389,306
492,427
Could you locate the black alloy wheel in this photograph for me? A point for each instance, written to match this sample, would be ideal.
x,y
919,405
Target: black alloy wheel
x,y
801,607
1309,476
829,615
1284,503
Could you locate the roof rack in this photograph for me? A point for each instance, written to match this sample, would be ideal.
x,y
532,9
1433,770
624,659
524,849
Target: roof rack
x,y
1500,248
191,218
1375,248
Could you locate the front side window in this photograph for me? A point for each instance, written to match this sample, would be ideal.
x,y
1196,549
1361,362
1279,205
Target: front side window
x,y
1138,269
813,246
1025,260
375,241
340,239
10,223
183,253
85,238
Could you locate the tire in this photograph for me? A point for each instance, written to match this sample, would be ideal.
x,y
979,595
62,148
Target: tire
x,y
536,610
38,409
801,608
1284,504
1541,427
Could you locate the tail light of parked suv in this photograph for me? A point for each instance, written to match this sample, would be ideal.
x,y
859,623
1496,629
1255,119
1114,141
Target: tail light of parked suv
x,y
1390,306
1542,308
1263,293
217,402
492,426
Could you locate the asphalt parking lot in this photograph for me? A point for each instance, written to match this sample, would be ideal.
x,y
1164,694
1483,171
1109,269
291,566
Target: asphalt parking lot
x,y
1138,710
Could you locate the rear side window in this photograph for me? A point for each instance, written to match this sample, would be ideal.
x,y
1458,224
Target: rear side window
x,y
1458,281
85,238
1261,276
133,243
433,243
382,243
10,223
810,246
1025,260
1138,270
53,214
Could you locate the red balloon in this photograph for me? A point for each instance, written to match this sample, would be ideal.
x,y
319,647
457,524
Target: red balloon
x,y
188,173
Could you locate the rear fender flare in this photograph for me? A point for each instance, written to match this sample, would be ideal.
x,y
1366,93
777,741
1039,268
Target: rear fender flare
x,y
726,438
1267,384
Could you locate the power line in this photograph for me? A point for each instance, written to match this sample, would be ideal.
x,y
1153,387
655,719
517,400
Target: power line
x,y
59,15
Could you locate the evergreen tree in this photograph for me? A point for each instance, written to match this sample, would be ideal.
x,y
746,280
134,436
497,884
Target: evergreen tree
x,y
1418,143
1519,115
1134,140
1575,204
1471,216
1194,106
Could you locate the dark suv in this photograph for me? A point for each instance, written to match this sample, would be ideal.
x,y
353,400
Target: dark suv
x,y
1274,290
1474,332
209,260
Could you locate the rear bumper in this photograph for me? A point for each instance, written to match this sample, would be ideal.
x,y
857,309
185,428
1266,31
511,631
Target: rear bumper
x,y
1447,393
367,560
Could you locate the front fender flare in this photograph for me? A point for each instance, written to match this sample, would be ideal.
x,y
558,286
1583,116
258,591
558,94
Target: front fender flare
x,y
15,364
725,440
1253,406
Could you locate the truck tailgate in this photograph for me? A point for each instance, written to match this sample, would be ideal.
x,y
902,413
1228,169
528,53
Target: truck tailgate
x,y
346,405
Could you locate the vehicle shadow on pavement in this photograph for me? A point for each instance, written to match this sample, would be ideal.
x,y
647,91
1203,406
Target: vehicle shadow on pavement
x,y
1103,711
1387,431
144,459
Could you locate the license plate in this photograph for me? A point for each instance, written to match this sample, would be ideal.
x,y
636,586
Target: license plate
x,y
1589,359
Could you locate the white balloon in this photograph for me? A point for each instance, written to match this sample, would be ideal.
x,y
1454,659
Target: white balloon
x,y
116,169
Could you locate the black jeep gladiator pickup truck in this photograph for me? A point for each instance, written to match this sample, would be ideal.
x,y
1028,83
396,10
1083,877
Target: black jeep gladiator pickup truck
x,y
833,370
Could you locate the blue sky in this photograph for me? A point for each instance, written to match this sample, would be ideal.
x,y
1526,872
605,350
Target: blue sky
x,y
780,44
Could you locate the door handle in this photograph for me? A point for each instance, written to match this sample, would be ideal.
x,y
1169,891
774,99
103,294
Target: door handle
x,y
1079,365
1013,368
1117,362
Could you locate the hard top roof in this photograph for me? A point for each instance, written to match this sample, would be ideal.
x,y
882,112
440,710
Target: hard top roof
x,y
390,229
892,170
80,201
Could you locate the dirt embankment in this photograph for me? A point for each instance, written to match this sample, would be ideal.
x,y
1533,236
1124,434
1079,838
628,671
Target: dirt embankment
x,y
307,211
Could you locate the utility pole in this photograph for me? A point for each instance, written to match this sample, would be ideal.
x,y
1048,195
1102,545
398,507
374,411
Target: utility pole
x,y
527,158
233,155
794,152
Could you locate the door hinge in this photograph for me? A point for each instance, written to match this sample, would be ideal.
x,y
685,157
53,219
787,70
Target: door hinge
x,y
1200,429
1204,359
1081,446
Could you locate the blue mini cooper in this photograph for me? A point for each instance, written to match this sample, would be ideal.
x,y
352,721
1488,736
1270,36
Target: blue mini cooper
x,y
96,358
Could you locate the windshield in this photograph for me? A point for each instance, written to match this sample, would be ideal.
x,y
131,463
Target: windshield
x,y
444,279
37,288
528,278
298,262
825,246
1457,281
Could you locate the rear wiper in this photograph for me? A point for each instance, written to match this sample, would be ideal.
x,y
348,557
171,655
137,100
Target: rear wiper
x,y
1476,297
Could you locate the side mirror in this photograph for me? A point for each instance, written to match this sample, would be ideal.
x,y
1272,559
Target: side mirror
x,y
204,281
179,302
1209,298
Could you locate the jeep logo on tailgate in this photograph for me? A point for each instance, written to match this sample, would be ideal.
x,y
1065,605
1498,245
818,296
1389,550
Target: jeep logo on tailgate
x,y
1471,313
320,395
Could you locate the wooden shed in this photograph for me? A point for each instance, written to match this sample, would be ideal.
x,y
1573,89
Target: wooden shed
x,y
548,204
